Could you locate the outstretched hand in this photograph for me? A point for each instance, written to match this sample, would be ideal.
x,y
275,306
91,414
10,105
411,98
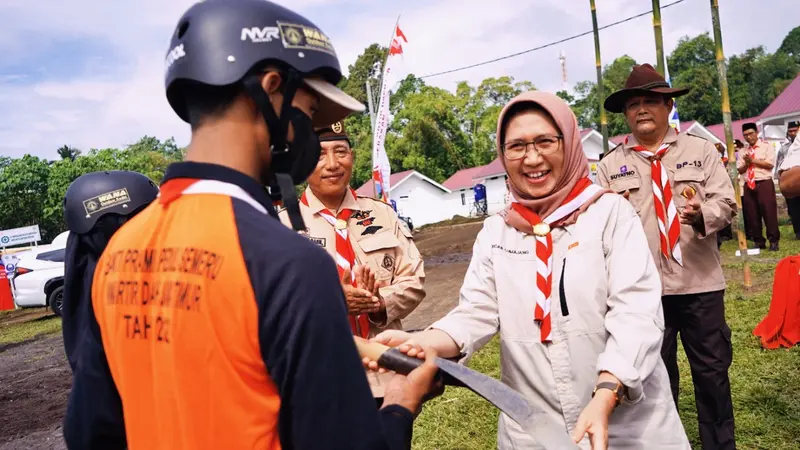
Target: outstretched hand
x,y
594,420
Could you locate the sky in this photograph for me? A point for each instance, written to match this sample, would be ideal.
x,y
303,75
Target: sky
x,y
89,73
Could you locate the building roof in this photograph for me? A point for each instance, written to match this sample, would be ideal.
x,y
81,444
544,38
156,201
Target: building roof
x,y
492,169
718,130
462,179
367,190
787,102
396,179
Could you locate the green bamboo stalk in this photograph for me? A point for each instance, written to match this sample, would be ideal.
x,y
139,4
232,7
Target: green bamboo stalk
x,y
600,90
659,36
738,225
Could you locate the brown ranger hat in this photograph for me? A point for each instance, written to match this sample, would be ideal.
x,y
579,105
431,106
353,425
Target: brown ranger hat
x,y
644,79
333,132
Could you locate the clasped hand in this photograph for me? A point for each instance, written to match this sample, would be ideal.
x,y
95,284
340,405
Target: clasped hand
x,y
364,297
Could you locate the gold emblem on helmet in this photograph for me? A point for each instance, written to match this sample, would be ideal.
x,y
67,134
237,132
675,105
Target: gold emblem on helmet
x,y
293,36
337,127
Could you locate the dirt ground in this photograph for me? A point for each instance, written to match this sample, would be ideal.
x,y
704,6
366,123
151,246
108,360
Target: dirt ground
x,y
34,383
35,377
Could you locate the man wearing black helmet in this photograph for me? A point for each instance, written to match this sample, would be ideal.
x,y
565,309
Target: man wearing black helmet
x,y
223,328
96,205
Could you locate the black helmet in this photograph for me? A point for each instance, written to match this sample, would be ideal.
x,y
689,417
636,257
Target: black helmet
x,y
219,42
224,42
96,194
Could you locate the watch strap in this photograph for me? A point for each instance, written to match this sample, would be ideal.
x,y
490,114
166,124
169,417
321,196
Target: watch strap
x,y
616,388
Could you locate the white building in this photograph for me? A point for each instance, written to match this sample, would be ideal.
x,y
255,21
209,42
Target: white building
x,y
416,196
784,109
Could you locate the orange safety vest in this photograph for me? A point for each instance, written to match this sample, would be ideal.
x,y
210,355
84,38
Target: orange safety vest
x,y
179,324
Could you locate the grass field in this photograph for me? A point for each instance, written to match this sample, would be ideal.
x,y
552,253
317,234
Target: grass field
x,y
765,383
22,331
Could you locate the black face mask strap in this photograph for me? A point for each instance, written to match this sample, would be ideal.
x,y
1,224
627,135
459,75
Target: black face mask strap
x,y
286,185
278,128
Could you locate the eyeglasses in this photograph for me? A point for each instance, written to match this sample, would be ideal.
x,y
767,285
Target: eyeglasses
x,y
544,145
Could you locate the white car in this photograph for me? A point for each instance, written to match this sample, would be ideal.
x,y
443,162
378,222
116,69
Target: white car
x,y
39,276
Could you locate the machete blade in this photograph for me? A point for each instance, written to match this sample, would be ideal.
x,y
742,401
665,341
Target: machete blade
x,y
497,393
548,433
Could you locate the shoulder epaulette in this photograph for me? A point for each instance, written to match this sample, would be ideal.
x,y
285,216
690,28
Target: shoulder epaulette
x,y
378,200
609,151
696,136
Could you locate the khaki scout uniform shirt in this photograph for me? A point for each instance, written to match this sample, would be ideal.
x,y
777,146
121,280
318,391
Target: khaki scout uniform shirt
x,y
764,151
606,316
690,161
384,243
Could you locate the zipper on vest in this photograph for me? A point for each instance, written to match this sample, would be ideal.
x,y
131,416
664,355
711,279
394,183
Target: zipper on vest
x,y
561,291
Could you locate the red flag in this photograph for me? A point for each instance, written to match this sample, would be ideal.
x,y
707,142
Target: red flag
x,y
399,33
397,47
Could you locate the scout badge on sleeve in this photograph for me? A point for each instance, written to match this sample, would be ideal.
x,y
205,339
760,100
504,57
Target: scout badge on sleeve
x,y
506,399
688,193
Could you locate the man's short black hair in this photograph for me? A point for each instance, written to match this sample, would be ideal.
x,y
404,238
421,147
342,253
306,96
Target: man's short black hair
x,y
204,102
749,126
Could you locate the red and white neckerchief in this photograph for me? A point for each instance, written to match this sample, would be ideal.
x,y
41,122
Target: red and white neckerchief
x,y
583,191
750,176
669,225
345,258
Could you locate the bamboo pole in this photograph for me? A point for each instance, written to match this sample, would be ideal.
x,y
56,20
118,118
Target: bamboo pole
x,y
659,36
599,66
738,225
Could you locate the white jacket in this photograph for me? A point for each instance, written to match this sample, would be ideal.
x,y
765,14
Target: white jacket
x,y
606,316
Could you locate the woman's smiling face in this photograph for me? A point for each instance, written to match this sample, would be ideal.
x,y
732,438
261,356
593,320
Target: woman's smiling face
x,y
534,174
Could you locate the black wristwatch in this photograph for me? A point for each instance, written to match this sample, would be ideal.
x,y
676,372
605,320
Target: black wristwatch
x,y
617,388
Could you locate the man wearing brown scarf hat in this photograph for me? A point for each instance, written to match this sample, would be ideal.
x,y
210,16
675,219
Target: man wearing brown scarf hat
x,y
684,198
380,268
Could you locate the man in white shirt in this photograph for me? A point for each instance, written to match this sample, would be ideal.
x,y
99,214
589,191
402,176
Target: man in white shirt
x,y
789,172
792,204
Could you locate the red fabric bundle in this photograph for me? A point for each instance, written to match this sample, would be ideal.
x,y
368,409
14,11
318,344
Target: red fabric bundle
x,y
781,327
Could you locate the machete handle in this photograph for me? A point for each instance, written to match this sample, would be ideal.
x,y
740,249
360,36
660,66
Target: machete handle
x,y
387,357
393,359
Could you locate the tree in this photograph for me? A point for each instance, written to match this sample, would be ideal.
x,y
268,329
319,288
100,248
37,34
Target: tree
x,y
692,65
690,53
791,44
23,182
67,152
432,115
367,67
756,78
586,107
479,109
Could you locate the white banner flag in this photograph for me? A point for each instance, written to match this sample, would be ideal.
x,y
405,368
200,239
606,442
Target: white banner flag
x,y
380,161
